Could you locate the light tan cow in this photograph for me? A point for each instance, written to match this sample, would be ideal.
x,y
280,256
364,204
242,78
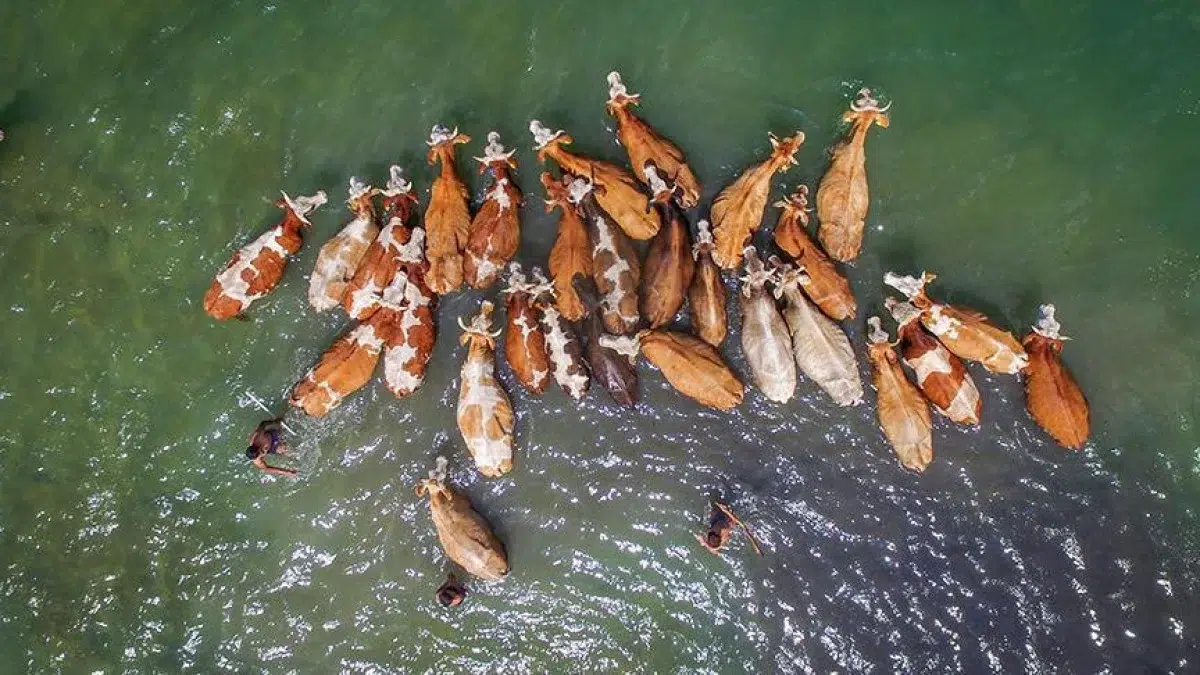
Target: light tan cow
x,y
644,144
766,343
965,332
466,536
823,352
707,295
448,217
842,196
620,195
738,210
903,412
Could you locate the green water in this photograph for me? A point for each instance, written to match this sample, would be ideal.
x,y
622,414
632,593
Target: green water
x,y
1039,152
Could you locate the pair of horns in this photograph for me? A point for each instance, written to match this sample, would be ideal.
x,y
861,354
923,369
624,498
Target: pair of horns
x,y
797,200
866,102
481,322
495,150
440,134
477,331
396,183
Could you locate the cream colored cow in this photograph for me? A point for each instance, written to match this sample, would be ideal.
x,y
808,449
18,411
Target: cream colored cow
x,y
485,416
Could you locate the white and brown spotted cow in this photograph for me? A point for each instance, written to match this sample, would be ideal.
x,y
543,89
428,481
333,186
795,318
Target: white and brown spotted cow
x,y
485,415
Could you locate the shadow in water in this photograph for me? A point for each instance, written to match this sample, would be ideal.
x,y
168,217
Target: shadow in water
x,y
897,255
18,113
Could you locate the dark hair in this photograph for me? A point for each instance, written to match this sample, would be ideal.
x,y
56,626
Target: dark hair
x,y
713,539
446,597
253,452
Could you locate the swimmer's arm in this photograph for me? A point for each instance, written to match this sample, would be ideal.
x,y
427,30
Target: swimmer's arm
x,y
745,528
274,470
704,543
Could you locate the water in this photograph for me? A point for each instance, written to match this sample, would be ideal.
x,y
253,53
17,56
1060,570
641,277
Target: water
x,y
1038,152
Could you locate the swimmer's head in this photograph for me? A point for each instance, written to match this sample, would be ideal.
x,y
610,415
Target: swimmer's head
x,y
449,597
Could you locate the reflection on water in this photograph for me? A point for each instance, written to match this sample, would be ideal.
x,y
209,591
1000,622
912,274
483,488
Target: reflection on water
x,y
1035,155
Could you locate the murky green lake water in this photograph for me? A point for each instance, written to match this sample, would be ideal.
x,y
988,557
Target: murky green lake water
x,y
1039,152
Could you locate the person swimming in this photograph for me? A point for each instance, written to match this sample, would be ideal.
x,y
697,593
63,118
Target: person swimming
x,y
265,441
721,522
451,593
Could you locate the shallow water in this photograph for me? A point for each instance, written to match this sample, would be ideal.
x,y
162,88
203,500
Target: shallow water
x,y
1038,152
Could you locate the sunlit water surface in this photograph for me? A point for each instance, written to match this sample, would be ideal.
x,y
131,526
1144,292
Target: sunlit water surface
x,y
1038,152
